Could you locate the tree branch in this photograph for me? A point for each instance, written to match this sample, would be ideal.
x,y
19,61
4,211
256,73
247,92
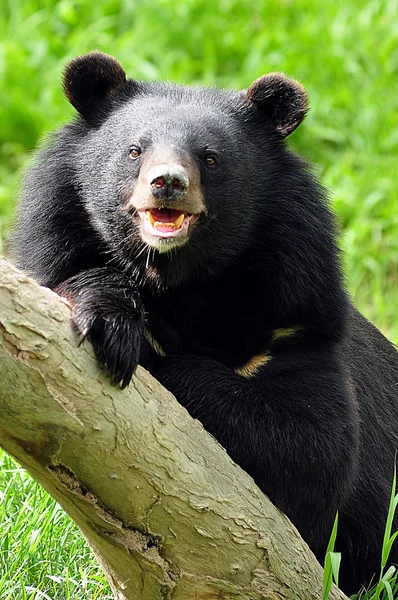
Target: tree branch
x,y
166,511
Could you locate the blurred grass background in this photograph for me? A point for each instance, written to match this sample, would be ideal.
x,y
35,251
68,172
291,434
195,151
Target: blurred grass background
x,y
345,54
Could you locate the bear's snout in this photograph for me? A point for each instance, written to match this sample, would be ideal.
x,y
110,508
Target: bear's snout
x,y
168,181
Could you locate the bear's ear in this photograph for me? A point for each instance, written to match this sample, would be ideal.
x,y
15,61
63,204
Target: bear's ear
x,y
284,100
89,79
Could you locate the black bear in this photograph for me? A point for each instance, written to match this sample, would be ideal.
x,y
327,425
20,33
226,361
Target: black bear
x,y
189,238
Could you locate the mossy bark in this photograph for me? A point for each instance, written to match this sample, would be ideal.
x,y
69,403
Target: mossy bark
x,y
166,511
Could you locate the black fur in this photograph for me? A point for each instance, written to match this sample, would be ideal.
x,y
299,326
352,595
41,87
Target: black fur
x,y
108,311
284,100
89,82
316,422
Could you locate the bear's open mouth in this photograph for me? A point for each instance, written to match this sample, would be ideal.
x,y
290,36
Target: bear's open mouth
x,y
165,222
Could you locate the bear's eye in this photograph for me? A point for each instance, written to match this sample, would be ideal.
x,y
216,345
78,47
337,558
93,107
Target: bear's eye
x,y
134,152
211,160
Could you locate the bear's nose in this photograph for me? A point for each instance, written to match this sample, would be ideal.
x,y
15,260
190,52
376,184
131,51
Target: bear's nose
x,y
169,182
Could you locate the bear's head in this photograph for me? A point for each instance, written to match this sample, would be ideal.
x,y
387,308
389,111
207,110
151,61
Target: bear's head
x,y
176,178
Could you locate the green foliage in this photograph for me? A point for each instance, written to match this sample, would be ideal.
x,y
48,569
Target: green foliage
x,y
386,587
345,54
332,563
42,554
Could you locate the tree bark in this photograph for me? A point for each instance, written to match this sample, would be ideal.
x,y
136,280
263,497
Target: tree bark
x,y
166,511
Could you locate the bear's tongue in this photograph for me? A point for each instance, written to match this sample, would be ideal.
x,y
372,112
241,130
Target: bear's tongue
x,y
165,220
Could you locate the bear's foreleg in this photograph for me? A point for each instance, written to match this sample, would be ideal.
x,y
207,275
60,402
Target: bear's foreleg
x,y
293,428
107,310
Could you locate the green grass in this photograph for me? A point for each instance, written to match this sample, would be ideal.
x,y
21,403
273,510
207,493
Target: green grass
x,y
385,584
42,554
345,54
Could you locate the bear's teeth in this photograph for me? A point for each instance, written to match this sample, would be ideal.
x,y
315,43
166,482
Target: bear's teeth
x,y
175,225
162,224
179,221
